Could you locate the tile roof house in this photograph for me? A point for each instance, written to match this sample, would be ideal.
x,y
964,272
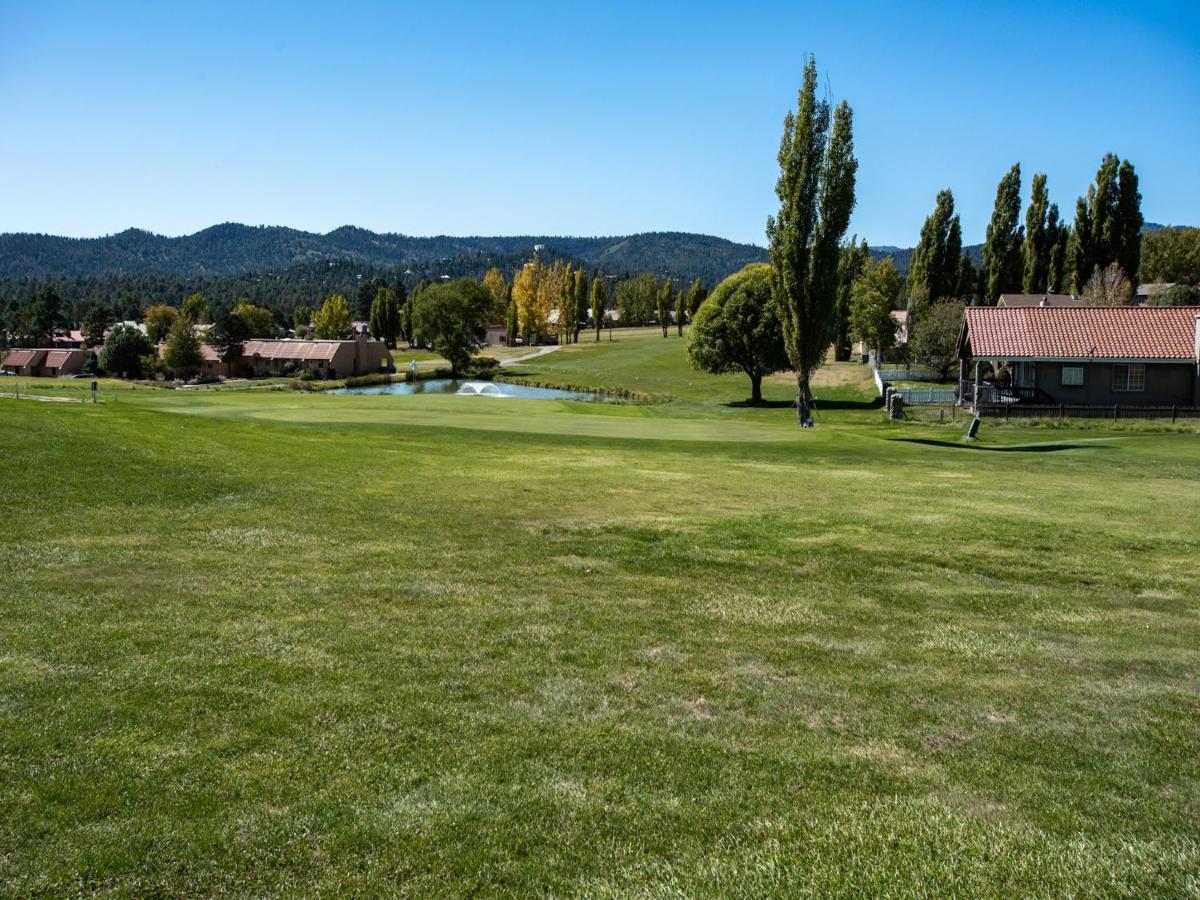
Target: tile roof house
x,y
1083,356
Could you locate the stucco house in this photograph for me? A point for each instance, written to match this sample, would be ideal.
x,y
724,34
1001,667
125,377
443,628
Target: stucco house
x,y
48,362
333,359
1081,356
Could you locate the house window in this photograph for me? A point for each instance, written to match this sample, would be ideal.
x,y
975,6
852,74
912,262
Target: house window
x,y
1072,376
1129,378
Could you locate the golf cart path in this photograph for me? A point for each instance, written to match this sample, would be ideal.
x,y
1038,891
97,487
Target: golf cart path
x,y
516,360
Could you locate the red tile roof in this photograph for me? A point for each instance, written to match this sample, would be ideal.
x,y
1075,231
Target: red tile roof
x,y
1109,332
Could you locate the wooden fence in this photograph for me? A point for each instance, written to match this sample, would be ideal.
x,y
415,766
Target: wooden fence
x,y
1070,411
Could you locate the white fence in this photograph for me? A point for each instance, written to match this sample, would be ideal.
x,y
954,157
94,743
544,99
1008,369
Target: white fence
x,y
908,373
928,395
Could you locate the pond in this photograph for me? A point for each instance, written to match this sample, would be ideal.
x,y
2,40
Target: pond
x,y
476,389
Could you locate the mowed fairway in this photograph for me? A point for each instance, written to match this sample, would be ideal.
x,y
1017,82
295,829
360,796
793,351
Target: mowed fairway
x,y
271,642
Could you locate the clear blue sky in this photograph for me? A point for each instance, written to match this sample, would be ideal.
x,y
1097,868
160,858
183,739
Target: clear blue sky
x,y
571,118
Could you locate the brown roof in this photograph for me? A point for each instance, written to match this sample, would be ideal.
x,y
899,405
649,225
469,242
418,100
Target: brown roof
x,y
56,358
1083,332
292,349
17,358
1018,300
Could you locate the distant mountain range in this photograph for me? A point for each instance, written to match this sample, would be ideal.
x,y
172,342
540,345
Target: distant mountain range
x,y
232,249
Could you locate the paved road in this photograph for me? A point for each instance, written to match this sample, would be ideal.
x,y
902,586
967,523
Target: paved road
x,y
517,360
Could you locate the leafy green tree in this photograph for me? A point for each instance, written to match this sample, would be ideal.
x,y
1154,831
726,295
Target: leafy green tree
x,y
228,336
332,320
663,298
636,299
158,320
123,350
1058,235
737,329
195,309
385,317
599,304
452,318
816,196
95,323
696,295
1171,255
302,318
260,322
1039,238
368,289
934,270
853,257
933,338
1176,295
1108,223
1002,261
968,280
182,352
581,303
512,324
872,299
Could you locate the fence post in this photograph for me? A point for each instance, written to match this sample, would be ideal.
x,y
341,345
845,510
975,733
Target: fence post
x,y
1173,413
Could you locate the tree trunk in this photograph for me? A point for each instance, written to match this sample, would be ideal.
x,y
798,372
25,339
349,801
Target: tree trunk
x,y
803,398
597,334
756,389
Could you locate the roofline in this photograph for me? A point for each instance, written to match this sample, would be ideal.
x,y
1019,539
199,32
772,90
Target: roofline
x,y
1188,360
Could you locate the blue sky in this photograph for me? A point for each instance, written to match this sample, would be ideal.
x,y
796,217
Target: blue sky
x,y
566,118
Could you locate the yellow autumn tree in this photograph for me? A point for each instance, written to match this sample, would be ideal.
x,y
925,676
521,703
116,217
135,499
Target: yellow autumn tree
x,y
525,292
497,286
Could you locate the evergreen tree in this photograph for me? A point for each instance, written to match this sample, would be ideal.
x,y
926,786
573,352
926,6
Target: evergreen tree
x,y
850,266
1039,239
1127,229
680,310
968,280
1002,247
934,270
95,323
228,337
816,196
599,304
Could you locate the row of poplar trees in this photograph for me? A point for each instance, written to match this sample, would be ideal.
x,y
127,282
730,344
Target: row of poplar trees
x,y
1043,255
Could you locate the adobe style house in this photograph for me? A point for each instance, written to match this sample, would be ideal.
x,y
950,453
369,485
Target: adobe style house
x,y
331,359
44,363
1114,356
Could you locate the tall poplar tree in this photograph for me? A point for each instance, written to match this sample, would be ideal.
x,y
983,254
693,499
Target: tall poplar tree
x,y
581,303
816,196
1058,235
934,270
1038,238
1108,223
599,304
665,293
850,266
1002,247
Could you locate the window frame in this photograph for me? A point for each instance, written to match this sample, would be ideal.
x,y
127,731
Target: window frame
x,y
1063,376
1134,381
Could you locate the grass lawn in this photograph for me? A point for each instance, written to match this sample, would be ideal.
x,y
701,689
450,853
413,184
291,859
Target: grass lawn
x,y
265,642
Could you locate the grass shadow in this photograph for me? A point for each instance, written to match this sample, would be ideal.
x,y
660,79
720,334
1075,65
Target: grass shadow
x,y
761,404
1013,448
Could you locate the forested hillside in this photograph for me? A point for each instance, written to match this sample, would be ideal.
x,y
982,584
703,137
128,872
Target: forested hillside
x,y
233,249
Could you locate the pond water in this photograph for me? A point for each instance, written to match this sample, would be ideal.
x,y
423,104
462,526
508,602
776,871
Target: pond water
x,y
475,388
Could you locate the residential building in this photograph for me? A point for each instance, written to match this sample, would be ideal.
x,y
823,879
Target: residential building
x,y
46,362
1081,356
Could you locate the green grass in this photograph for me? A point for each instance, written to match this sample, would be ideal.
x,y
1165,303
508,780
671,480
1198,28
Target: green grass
x,y
270,642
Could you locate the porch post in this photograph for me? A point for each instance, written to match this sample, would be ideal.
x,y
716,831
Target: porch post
x,y
976,398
